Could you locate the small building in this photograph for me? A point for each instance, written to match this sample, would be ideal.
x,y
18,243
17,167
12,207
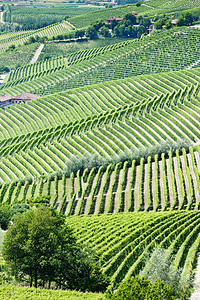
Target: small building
x,y
111,19
135,14
174,21
6,100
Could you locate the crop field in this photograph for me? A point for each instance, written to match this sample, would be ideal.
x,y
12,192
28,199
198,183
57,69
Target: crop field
x,y
152,8
18,57
112,142
20,37
123,240
164,182
51,14
53,50
142,112
8,292
174,50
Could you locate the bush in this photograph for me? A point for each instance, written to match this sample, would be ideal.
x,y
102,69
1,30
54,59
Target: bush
x,y
141,289
17,209
159,267
4,216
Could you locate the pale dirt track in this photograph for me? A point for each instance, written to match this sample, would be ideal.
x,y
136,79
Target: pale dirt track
x,y
37,54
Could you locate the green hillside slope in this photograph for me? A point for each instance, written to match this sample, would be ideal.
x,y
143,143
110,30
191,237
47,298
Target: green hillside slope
x,y
123,240
151,8
169,51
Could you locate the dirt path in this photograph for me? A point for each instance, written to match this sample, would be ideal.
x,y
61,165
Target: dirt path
x,y
37,54
148,5
1,17
193,65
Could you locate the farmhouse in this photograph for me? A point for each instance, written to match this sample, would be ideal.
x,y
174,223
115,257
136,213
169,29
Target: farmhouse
x,y
111,19
22,98
135,14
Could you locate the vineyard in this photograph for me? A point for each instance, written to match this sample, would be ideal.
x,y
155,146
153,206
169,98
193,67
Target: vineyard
x,y
111,141
123,240
20,37
154,7
131,58
145,111
163,182
51,14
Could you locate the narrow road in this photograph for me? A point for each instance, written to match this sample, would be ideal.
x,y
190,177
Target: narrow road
x,y
193,65
37,54
1,18
195,295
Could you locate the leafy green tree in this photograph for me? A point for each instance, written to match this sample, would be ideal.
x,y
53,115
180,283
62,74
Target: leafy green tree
x,y
17,209
160,23
168,24
105,31
131,18
92,33
41,247
186,19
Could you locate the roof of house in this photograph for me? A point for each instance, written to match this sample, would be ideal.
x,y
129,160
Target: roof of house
x,y
4,98
114,18
174,21
24,96
135,13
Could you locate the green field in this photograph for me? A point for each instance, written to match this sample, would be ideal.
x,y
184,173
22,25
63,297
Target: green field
x,y
18,57
161,52
63,49
152,8
8,292
113,140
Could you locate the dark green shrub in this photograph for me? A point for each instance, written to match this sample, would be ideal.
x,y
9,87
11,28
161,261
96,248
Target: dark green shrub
x,y
17,209
140,289
4,216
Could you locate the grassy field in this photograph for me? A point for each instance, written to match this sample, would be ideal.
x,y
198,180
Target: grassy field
x,y
10,292
18,57
63,49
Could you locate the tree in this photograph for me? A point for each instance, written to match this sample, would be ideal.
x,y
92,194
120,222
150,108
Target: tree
x,y
17,209
105,31
41,247
186,19
168,24
160,23
92,33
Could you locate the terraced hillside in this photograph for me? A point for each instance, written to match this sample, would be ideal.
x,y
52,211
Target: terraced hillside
x,y
127,114
123,240
157,53
151,9
117,104
52,65
164,182
20,37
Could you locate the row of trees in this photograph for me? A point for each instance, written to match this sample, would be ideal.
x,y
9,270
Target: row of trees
x,y
185,19
130,26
